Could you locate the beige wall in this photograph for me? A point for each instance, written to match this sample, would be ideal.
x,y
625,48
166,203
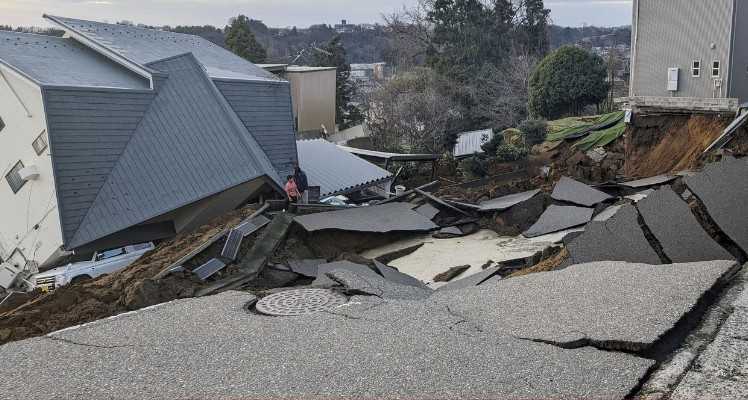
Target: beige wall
x,y
35,204
313,98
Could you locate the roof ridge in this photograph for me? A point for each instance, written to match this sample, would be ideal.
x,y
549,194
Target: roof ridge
x,y
124,26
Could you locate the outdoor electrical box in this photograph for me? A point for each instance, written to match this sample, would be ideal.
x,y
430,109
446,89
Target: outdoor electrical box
x,y
672,79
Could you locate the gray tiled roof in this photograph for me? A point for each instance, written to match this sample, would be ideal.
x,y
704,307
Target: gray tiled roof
x,y
469,143
144,46
187,146
335,170
56,61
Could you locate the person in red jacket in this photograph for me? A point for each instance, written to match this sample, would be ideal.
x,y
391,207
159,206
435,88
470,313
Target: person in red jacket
x,y
291,189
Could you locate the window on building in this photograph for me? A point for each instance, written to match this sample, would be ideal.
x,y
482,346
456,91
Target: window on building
x,y
715,69
2,124
40,143
14,178
696,68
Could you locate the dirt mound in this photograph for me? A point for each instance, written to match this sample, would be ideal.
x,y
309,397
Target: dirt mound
x,y
665,144
127,290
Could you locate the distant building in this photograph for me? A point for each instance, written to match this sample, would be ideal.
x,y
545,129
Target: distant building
x,y
690,49
116,135
345,27
312,96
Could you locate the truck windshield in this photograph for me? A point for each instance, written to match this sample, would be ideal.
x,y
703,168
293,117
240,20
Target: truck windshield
x,y
109,254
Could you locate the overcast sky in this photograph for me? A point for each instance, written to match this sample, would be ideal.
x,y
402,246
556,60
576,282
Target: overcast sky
x,y
275,13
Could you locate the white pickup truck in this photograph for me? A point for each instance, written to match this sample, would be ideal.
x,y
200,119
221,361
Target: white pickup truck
x,y
104,262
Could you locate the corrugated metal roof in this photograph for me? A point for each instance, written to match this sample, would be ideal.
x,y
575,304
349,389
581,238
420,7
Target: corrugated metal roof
x,y
145,46
335,170
469,143
64,62
390,156
189,145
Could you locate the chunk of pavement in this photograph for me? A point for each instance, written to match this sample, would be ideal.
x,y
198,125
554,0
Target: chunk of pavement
x,y
324,281
422,350
376,285
647,182
639,196
675,227
393,275
448,233
610,305
607,213
451,273
723,189
620,238
390,217
471,281
506,202
306,267
427,210
559,218
575,192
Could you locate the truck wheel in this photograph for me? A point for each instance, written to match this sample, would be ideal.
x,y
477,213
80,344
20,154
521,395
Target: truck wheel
x,y
80,278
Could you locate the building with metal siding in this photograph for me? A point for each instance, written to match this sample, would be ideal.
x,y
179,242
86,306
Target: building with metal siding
x,y
137,150
701,38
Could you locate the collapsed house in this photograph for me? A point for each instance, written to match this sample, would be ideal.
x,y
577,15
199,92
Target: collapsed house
x,y
115,134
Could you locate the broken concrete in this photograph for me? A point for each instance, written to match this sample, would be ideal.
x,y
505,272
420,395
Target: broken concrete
x,y
575,192
647,182
472,280
677,230
506,202
374,285
422,350
324,281
393,275
427,210
308,268
451,273
723,188
611,305
620,238
559,218
391,217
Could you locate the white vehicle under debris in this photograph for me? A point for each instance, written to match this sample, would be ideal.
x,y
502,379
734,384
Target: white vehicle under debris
x,y
102,263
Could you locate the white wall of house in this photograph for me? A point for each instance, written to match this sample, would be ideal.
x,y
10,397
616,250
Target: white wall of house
x,y
29,220
313,98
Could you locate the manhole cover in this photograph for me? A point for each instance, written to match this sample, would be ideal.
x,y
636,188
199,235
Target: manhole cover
x,y
300,302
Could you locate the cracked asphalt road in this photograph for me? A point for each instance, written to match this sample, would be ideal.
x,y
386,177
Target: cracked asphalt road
x,y
443,346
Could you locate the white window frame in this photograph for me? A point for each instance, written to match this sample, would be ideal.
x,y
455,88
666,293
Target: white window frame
x,y
14,178
40,143
718,68
696,71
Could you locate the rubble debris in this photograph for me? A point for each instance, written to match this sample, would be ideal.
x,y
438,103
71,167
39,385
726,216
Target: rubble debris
x,y
506,202
374,285
395,336
393,275
300,302
729,132
451,273
607,213
207,270
472,280
257,257
407,193
648,182
571,191
308,268
549,264
323,280
672,223
559,218
515,220
620,238
427,210
592,304
379,218
639,196
448,233
723,189
440,202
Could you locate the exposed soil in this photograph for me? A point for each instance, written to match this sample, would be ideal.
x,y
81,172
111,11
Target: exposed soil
x,y
546,265
127,290
665,144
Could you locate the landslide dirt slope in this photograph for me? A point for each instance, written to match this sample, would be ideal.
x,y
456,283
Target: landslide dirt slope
x,y
127,290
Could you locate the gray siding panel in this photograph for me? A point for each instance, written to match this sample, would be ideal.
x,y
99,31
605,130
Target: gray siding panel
x,y
265,110
673,33
188,146
84,154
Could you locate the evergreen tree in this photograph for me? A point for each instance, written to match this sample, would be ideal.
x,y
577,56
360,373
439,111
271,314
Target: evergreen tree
x,y
333,55
533,32
241,40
